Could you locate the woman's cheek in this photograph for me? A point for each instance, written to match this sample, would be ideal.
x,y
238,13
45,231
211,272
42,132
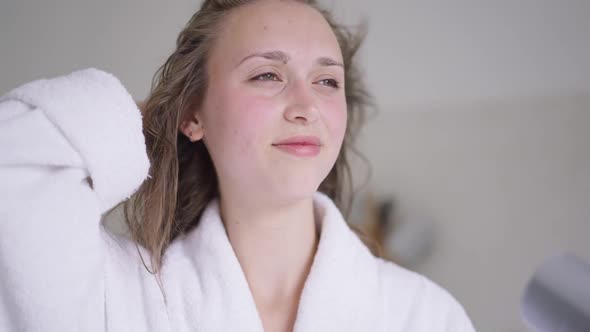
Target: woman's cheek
x,y
336,118
250,122
256,111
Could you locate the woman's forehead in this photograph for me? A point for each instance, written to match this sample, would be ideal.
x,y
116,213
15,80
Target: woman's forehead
x,y
289,26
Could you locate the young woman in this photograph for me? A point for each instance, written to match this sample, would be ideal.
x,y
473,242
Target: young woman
x,y
237,225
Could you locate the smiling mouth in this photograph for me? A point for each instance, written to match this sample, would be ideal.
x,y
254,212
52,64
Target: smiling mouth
x,y
299,149
300,146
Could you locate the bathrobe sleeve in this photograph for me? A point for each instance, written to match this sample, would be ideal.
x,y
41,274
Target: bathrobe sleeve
x,y
71,148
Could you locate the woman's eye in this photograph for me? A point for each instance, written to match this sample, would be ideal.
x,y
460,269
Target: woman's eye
x,y
266,77
329,82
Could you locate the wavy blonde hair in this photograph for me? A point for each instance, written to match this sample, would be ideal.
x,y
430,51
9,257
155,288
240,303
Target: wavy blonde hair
x,y
182,179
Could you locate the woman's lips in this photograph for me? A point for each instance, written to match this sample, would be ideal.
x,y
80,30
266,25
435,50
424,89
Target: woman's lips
x,y
301,146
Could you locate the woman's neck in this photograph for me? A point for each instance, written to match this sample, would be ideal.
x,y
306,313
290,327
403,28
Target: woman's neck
x,y
275,247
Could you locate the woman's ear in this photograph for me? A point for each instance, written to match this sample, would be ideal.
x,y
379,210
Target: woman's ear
x,y
192,128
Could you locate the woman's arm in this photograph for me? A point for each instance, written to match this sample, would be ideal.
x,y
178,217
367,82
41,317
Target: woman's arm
x,y
70,149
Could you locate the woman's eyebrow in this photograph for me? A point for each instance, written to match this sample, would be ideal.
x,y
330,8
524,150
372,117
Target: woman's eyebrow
x,y
284,58
326,62
272,55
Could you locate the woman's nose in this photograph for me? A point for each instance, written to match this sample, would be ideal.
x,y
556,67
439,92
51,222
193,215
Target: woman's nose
x,y
301,107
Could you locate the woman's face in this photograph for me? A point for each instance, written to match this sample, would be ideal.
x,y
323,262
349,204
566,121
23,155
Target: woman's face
x,y
275,77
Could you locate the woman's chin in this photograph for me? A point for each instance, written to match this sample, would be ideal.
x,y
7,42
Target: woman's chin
x,y
294,192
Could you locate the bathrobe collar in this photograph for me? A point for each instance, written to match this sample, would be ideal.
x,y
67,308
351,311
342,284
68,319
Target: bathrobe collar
x,y
339,293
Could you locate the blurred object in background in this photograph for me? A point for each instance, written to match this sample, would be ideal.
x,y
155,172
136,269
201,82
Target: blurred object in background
x,y
411,236
557,298
405,236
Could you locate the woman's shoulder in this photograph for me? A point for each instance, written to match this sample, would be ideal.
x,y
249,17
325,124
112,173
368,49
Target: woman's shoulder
x,y
403,280
428,306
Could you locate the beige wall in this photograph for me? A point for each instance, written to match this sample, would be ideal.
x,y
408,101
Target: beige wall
x,y
506,183
129,38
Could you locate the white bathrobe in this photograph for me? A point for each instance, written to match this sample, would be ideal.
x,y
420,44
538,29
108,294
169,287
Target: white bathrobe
x,y
71,148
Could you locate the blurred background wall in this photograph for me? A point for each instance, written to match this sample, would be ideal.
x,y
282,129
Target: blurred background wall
x,y
483,123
